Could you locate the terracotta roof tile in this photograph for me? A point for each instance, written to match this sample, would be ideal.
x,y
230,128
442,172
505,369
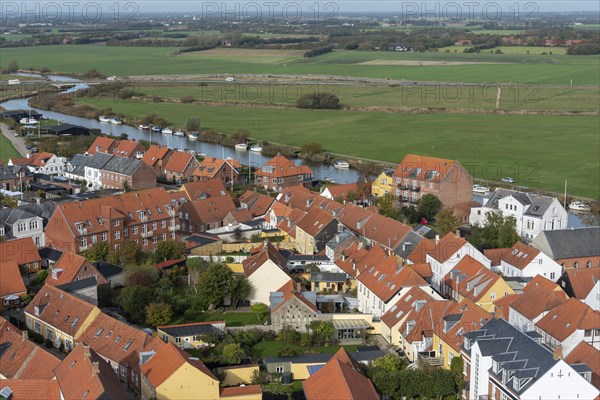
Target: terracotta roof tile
x,y
520,255
290,291
314,221
67,268
471,318
475,278
402,307
11,282
78,380
342,191
240,391
32,389
423,321
421,167
265,252
40,159
102,145
22,251
204,189
423,269
59,309
20,358
339,379
502,305
563,320
128,148
300,198
179,162
257,203
154,154
209,210
537,299
582,280
584,353
210,167
281,167
167,361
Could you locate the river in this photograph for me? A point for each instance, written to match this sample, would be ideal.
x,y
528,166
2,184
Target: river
x,y
321,171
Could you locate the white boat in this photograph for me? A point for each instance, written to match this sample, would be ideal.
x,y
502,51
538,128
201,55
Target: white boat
x,y
116,121
330,180
480,189
341,164
179,133
577,205
28,121
241,146
104,118
156,129
203,155
193,136
167,131
256,148
143,127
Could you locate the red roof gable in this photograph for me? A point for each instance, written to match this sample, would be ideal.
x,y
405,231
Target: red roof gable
x,y
281,167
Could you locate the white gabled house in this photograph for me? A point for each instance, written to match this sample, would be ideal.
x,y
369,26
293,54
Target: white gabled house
x,y
524,261
266,272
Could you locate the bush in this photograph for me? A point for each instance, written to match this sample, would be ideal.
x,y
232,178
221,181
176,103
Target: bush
x,y
187,99
317,51
318,101
13,66
288,351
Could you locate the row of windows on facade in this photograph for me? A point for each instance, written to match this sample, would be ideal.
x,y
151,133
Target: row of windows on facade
x,y
117,236
415,183
22,226
163,224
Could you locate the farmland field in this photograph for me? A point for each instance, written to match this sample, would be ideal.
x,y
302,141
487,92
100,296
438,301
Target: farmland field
x,y
533,50
524,147
520,68
436,96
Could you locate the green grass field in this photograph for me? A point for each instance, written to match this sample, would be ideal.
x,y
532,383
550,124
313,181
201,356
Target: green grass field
x,y
556,69
538,151
449,96
7,150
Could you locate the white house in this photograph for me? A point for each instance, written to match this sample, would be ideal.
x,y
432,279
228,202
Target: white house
x,y
533,213
508,364
443,255
266,272
18,224
593,297
565,326
42,163
524,261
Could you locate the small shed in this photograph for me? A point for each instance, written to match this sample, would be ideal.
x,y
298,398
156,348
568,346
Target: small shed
x,y
68,129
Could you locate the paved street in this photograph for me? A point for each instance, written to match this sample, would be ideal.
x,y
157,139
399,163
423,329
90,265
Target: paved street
x,y
17,142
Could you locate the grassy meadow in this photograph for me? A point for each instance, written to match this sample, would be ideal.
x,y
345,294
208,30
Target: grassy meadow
x,y
438,66
522,146
7,150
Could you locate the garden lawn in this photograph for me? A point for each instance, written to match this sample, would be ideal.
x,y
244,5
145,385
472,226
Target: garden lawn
x,y
7,150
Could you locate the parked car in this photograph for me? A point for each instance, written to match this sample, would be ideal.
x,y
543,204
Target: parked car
x,y
508,180
33,150
29,147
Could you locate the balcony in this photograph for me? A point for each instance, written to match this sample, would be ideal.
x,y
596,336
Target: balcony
x,y
402,186
415,189
174,228
147,234
428,357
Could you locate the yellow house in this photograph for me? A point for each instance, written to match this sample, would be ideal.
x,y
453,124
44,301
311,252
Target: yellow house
x,y
59,316
171,373
383,184
448,333
239,374
313,230
471,280
189,336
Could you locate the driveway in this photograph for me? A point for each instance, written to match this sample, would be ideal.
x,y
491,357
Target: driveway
x,y
17,141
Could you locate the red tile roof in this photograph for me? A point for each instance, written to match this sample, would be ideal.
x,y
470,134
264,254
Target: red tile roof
x,y
167,360
21,358
339,379
40,159
583,280
240,391
22,251
404,305
59,309
342,191
281,167
299,197
78,380
67,268
241,215
419,254
356,258
537,299
102,145
179,162
257,203
422,322
472,318
204,189
128,148
11,282
423,269
289,291
421,167
584,353
210,167
387,278
520,255
475,278
32,389
155,154
446,247
265,252
562,321
314,221
501,306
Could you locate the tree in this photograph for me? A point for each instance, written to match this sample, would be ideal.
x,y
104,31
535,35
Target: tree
x,y
192,124
311,148
41,276
497,231
240,290
233,354
322,331
13,66
447,222
507,234
129,253
169,250
429,205
261,310
134,299
158,314
389,363
457,367
319,101
388,206
141,276
99,251
213,285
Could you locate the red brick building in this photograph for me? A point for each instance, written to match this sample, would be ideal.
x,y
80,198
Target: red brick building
x,y
157,157
228,171
119,170
280,173
180,166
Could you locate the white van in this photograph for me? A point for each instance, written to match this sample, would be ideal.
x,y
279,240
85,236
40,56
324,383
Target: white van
x,y
14,82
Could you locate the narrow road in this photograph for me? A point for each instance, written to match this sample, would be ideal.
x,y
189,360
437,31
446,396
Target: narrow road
x,y
17,142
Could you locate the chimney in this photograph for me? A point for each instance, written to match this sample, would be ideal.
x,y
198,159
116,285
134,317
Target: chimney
x,y
558,353
86,351
95,368
24,336
437,238
457,233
